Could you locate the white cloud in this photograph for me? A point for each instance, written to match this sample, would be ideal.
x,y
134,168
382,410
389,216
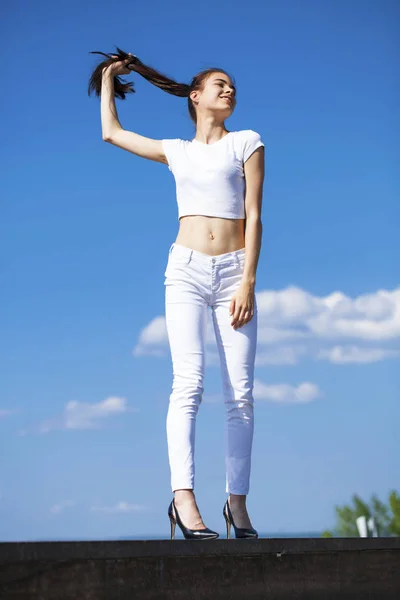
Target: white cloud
x,y
294,324
270,336
83,415
58,508
285,394
367,317
284,355
153,339
355,354
120,507
281,393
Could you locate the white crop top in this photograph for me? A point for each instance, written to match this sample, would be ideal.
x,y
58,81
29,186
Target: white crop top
x,y
210,177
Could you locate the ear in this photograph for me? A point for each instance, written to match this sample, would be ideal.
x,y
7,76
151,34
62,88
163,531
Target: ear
x,y
194,96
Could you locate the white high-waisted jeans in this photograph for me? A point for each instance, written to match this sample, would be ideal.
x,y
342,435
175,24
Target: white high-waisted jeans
x,y
193,282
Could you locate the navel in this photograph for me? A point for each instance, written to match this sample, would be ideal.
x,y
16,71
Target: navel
x,y
211,236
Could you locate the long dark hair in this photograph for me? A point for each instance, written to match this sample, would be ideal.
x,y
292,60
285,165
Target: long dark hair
x,y
170,86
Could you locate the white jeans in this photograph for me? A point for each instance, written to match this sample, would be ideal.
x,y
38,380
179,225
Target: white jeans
x,y
193,282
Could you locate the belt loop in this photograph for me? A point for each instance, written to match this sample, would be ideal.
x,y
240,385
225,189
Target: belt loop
x,y
237,259
190,255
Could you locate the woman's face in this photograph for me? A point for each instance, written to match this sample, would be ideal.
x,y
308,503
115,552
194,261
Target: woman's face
x,y
218,94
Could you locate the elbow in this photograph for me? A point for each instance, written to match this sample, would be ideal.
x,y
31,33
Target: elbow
x,y
254,218
111,134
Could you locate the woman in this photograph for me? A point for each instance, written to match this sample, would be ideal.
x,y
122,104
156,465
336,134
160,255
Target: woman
x,y
212,263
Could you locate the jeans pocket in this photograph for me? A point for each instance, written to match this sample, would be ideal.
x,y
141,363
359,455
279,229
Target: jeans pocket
x,y
178,259
178,256
176,262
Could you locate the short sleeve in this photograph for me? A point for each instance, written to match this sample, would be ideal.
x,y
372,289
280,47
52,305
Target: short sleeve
x,y
171,149
252,141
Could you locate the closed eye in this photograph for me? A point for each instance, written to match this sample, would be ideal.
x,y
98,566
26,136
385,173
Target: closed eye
x,y
233,89
233,93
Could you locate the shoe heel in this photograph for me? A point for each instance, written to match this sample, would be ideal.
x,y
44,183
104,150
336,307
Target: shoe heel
x,y
228,529
240,532
189,534
173,525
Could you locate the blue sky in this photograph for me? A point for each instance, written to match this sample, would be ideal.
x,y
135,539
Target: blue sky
x,y
84,236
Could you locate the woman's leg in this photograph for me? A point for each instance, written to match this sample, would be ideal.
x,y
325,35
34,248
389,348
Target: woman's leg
x,y
186,321
237,349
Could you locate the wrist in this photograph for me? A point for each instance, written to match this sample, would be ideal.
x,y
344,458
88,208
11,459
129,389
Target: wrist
x,y
107,73
249,282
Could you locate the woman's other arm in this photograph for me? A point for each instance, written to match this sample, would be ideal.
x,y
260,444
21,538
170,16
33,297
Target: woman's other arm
x,y
254,173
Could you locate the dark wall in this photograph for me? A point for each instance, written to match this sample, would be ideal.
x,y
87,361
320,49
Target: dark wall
x,y
296,569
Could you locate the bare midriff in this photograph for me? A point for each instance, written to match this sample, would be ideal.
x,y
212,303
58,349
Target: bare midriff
x,y
211,235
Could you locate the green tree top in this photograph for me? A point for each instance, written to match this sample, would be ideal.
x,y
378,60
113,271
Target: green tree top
x,y
387,516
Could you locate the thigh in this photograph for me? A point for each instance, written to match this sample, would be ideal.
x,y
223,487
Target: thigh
x,y
236,347
186,322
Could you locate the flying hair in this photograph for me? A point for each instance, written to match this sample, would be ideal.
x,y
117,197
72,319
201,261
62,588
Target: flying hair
x,y
122,88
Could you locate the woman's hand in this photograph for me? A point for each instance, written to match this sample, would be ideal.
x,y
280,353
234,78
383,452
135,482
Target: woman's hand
x,y
119,67
242,305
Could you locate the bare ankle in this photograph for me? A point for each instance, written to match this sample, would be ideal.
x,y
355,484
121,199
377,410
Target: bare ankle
x,y
184,495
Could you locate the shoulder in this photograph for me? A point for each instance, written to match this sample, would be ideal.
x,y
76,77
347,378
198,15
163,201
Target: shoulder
x,y
248,138
172,141
248,134
249,141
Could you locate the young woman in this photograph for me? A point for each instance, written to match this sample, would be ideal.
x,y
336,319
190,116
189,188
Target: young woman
x,y
212,264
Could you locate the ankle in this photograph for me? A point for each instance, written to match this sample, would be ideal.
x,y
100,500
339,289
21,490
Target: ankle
x,y
183,496
237,500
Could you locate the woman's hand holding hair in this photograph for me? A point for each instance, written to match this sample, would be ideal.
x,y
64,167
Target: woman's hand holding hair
x,y
119,67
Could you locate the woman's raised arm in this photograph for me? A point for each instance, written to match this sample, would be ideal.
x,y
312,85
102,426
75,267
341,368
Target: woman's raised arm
x,y
114,133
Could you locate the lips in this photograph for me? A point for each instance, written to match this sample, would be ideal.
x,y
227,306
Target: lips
x,y
226,98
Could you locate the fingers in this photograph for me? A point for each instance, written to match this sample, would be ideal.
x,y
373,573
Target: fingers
x,y
242,312
116,55
241,320
124,60
123,67
241,317
247,317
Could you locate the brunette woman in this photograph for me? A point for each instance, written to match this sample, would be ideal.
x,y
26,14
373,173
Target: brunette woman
x,y
211,264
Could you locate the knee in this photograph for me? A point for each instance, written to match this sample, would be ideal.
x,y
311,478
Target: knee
x,y
239,399
187,390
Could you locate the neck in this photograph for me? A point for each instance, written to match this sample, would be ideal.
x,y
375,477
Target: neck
x,y
208,130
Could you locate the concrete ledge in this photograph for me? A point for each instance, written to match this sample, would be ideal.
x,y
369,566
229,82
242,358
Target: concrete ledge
x,y
295,569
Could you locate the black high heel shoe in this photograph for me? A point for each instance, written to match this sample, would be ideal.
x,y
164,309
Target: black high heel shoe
x,y
189,534
239,532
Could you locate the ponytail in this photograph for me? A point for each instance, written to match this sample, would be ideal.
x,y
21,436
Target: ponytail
x,y
135,64
122,88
